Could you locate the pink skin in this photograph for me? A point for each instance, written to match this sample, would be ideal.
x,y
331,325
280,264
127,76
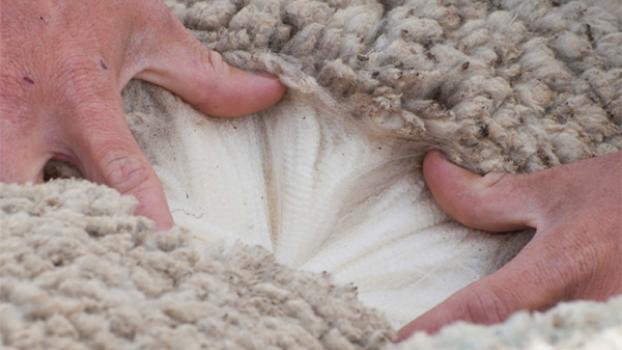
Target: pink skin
x,y
62,68
576,252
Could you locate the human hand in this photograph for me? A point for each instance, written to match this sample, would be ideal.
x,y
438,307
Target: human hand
x,y
576,252
63,65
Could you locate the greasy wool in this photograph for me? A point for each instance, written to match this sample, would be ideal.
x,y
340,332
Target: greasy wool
x,y
515,85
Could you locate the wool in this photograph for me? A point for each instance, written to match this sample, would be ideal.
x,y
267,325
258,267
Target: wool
x,y
79,271
498,85
319,191
505,85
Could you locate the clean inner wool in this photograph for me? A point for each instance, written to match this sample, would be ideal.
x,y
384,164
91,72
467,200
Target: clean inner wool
x,y
325,181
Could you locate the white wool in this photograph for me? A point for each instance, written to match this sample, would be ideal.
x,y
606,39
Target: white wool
x,y
327,180
319,191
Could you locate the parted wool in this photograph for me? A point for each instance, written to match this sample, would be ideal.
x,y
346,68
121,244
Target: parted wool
x,y
327,180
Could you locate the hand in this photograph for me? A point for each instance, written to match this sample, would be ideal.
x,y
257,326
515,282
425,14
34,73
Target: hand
x,y
63,65
576,252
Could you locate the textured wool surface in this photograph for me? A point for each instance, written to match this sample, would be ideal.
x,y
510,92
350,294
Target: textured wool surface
x,y
506,84
319,192
326,180
572,326
79,271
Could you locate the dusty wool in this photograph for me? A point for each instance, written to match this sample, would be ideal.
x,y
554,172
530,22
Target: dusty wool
x,y
505,84
360,57
569,326
78,271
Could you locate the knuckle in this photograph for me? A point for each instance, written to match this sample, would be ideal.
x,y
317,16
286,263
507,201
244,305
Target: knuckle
x,y
168,19
214,70
214,60
495,179
16,87
167,23
125,172
483,198
496,184
98,123
581,262
487,196
75,78
479,210
485,305
97,113
12,93
74,67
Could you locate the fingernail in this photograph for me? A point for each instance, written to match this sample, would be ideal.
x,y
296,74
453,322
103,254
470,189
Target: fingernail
x,y
439,152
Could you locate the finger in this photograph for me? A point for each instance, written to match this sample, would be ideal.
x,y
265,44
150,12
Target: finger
x,y
201,77
495,202
530,281
108,154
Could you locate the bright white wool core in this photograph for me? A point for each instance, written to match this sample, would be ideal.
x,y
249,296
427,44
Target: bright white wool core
x,y
320,192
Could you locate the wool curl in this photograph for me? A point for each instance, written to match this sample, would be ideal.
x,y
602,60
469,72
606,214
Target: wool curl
x,y
498,85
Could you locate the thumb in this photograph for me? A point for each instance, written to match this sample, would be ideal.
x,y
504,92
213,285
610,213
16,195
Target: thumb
x,y
495,202
108,154
202,78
